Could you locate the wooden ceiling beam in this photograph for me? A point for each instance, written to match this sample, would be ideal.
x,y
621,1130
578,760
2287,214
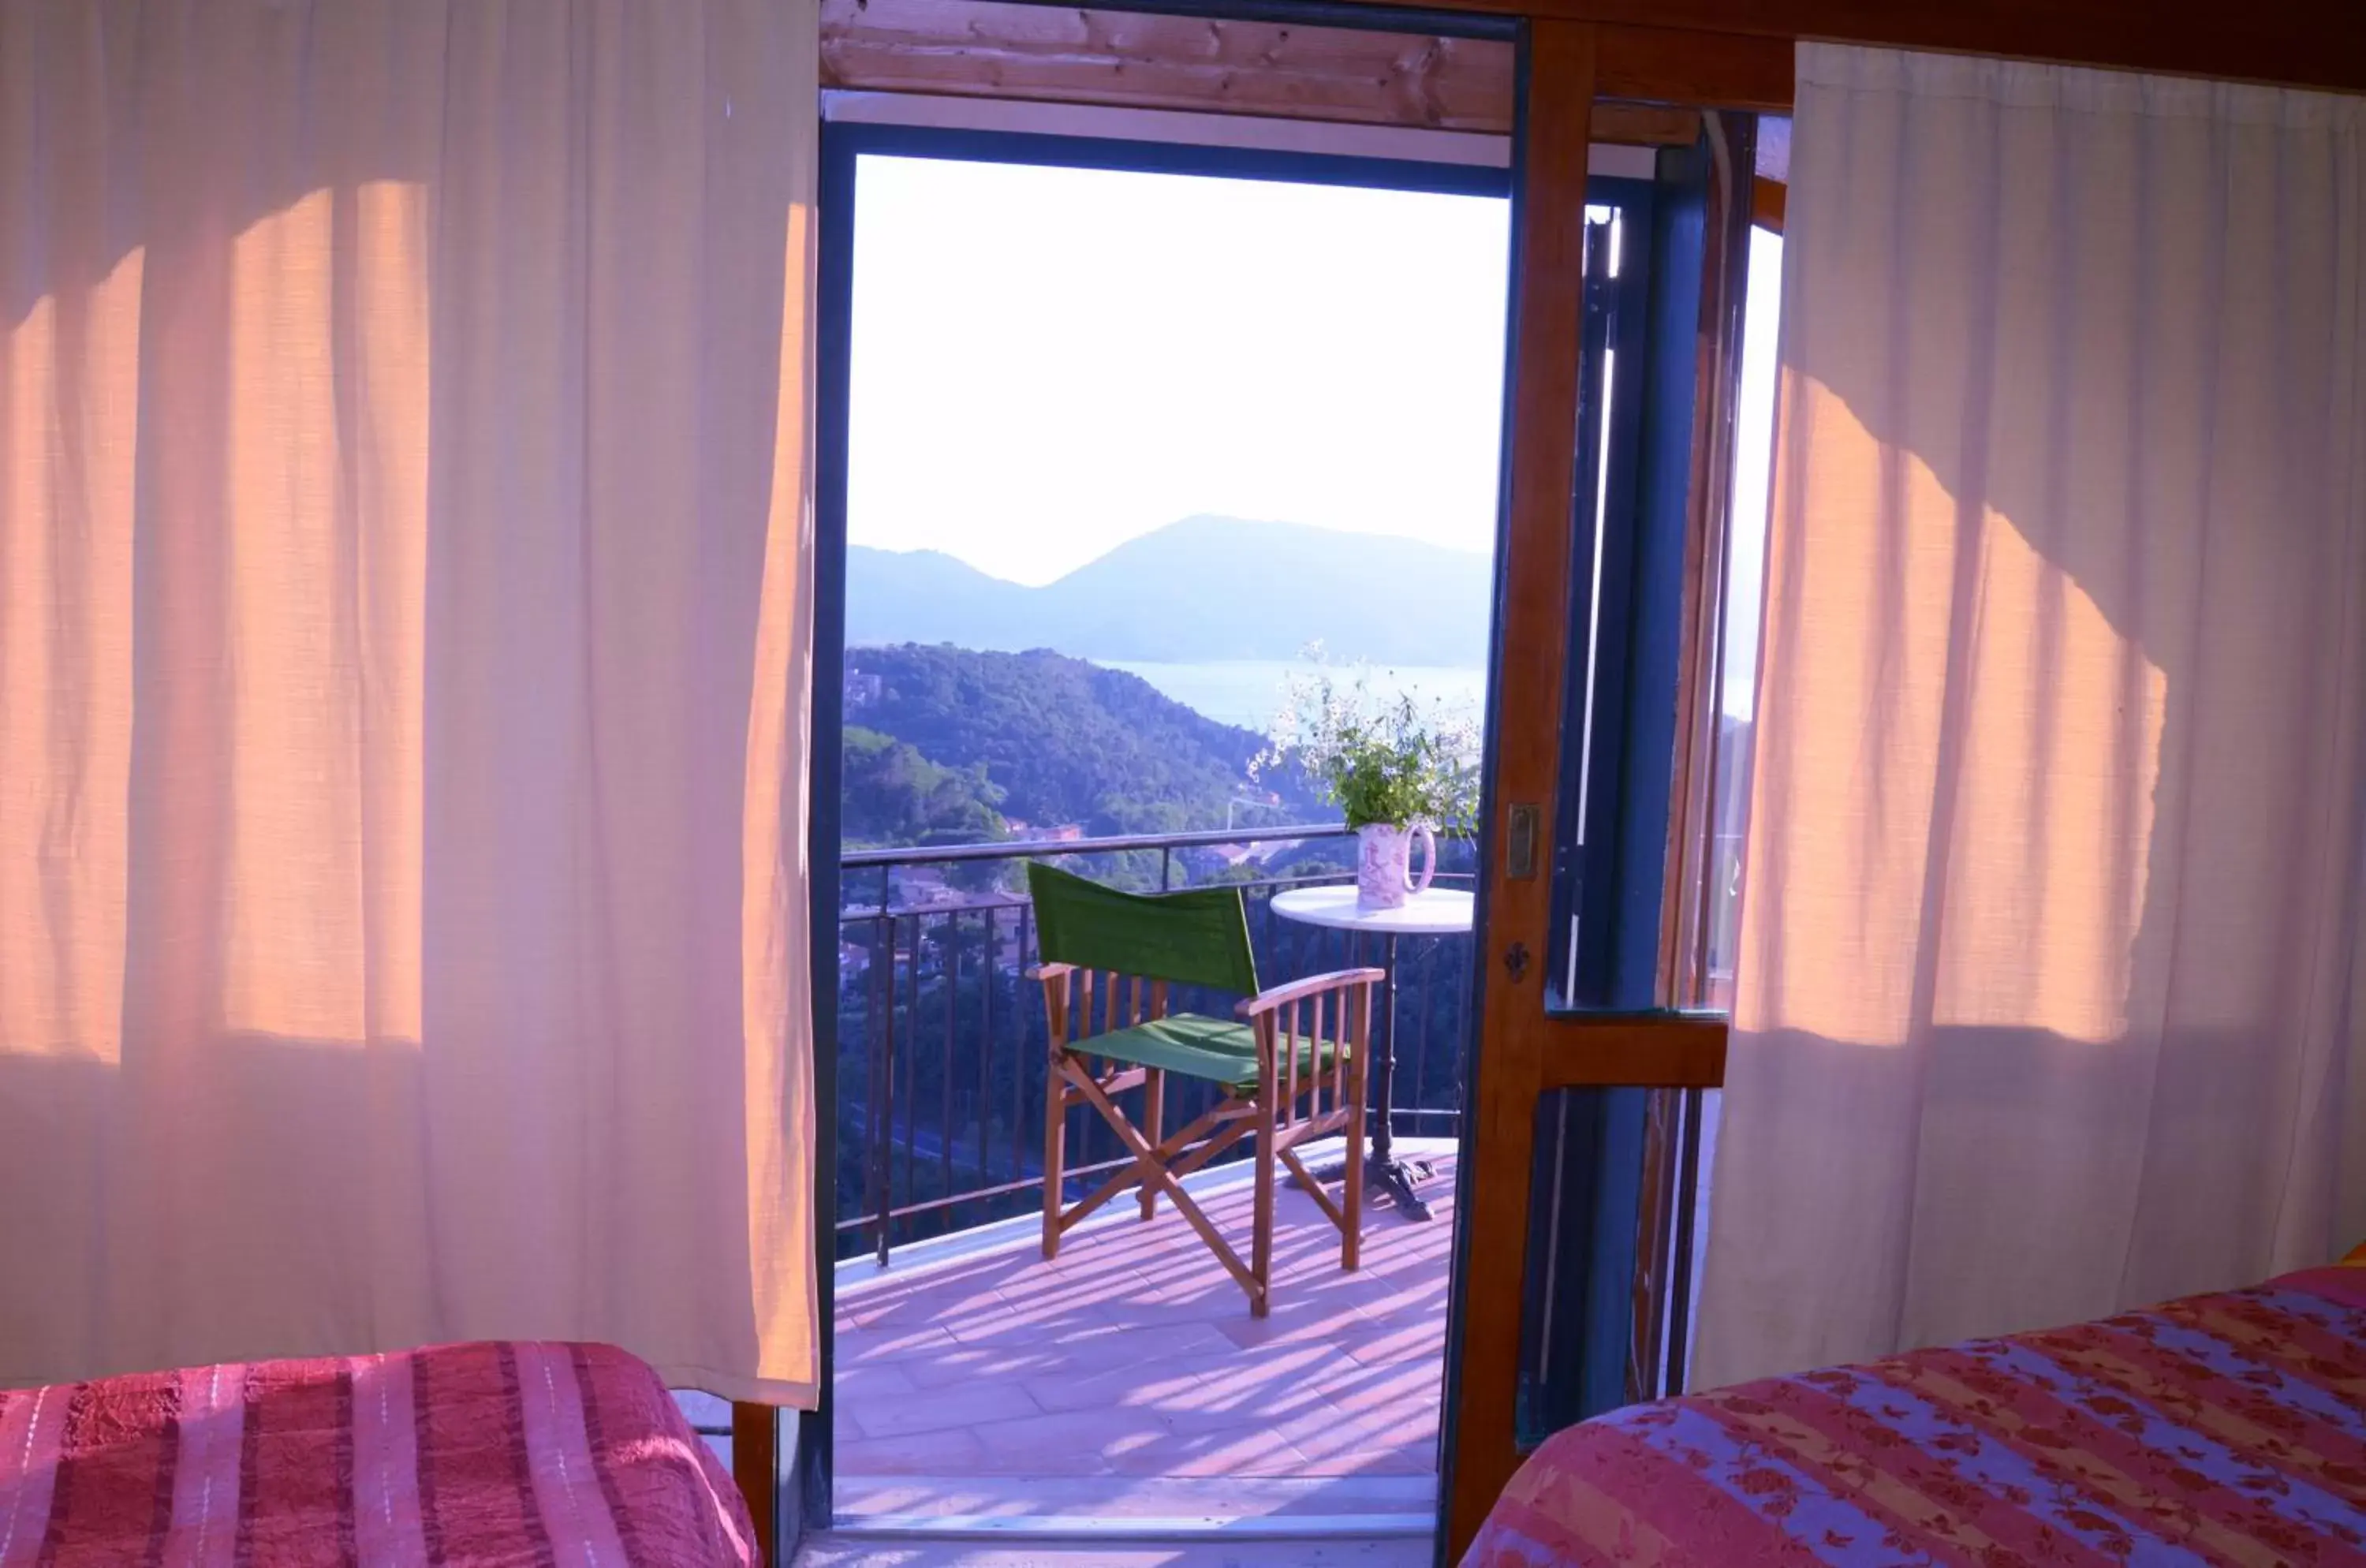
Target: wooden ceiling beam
x,y
997,49
2298,43
1645,125
991,49
1725,70
1719,53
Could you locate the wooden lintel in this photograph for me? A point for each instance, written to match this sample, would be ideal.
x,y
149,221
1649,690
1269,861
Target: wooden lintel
x,y
1645,125
1709,53
1137,59
2297,43
1727,71
997,49
1655,1051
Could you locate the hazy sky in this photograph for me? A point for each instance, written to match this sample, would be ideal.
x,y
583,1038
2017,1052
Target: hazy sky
x,y
1048,362
1753,450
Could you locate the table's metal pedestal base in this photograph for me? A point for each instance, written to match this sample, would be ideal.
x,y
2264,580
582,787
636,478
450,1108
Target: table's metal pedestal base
x,y
1388,1175
1383,1172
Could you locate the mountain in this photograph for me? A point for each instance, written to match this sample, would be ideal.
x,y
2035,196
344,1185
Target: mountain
x,y
930,596
1200,589
949,734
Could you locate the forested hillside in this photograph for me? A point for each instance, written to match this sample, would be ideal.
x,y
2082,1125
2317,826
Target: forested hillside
x,y
947,744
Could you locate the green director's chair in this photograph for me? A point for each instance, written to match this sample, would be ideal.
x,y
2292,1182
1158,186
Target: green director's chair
x,y
1291,1065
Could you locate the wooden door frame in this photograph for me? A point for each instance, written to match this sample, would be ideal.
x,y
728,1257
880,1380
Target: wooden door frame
x,y
1526,700
784,1468
1575,52
1523,1048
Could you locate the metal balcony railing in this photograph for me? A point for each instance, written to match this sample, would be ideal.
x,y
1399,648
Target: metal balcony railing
x,y
941,1053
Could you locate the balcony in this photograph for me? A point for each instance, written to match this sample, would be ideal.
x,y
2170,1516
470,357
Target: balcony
x,y
975,1380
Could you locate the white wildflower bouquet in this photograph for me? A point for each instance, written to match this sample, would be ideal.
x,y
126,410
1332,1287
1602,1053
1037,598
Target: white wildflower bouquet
x,y
1379,759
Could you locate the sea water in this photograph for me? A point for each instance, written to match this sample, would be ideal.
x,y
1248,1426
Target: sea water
x,y
1248,691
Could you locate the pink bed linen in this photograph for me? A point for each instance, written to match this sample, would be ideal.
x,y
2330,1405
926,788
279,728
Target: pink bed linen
x,y
2219,1429
484,1455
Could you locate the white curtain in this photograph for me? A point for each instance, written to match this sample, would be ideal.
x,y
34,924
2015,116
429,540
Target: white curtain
x,y
404,597
2051,914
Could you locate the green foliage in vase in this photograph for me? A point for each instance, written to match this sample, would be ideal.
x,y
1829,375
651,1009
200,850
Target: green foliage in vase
x,y
1395,760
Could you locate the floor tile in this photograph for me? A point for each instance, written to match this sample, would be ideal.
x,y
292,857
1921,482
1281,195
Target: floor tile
x,y
857,1345
863,1380
1229,1451
953,1451
935,1409
1133,1355
1153,1381
1071,1441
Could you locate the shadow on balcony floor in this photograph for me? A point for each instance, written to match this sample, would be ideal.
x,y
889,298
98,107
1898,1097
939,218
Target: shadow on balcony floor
x,y
1133,1356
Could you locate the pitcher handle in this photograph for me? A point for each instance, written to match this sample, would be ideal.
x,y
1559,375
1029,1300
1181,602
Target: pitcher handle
x,y
1428,842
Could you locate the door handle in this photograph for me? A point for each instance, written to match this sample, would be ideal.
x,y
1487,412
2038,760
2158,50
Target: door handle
x,y
1520,835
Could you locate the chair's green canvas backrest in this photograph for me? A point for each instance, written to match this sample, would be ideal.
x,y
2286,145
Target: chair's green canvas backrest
x,y
1197,937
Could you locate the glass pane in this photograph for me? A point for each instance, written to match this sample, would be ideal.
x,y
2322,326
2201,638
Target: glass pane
x,y
1736,697
1618,1203
1598,553
1580,1264
1121,444
1745,561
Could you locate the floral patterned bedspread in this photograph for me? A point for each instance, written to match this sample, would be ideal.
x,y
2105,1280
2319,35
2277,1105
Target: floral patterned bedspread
x,y
2223,1429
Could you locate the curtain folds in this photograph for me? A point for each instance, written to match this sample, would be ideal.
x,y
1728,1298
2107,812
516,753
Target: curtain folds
x,y
405,584
2047,973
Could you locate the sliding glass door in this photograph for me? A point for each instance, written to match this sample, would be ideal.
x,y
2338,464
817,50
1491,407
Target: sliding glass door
x,y
1586,1077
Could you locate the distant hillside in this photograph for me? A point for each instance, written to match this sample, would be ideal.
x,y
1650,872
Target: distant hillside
x,y
1206,588
896,795
928,596
1034,736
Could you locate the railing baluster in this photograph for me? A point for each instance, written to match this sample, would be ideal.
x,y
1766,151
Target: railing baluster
x,y
1025,1059
911,1095
883,958
1421,1036
1461,1029
951,977
891,1005
887,1098
987,983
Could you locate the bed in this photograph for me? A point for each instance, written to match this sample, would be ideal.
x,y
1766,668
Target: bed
x,y
2227,1429
484,1455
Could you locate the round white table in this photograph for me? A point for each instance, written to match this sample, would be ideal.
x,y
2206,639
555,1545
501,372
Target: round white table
x,y
1434,912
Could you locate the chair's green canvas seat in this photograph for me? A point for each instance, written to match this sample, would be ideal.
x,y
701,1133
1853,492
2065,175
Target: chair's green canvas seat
x,y
1196,1046
1197,937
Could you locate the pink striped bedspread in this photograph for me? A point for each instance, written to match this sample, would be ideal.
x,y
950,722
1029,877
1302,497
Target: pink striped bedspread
x,y
482,1455
2223,1429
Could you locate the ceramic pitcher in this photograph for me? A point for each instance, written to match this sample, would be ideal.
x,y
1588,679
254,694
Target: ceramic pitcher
x,y
1384,876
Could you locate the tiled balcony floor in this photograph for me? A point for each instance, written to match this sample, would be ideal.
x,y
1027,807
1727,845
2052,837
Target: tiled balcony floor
x,y
1135,1355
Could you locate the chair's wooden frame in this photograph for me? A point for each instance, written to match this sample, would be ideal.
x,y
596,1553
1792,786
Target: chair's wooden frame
x,y
1287,1108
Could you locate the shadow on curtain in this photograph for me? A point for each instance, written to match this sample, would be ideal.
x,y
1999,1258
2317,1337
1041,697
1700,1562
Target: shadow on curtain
x,y
2044,992
403,581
